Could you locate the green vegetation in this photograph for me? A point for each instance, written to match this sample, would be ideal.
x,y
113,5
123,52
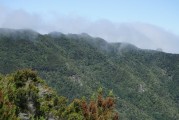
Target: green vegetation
x,y
144,82
23,95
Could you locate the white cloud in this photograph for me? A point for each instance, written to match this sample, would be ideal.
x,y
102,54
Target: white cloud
x,y
21,19
143,35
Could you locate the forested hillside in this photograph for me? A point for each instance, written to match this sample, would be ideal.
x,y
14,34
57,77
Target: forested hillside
x,y
144,82
25,96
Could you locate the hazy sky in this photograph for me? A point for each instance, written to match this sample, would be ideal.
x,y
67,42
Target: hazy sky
x,y
111,19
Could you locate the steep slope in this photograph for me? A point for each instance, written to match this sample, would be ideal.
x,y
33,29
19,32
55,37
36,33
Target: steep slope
x,y
144,81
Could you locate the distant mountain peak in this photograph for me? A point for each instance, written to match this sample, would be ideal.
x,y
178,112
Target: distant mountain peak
x,y
16,34
55,34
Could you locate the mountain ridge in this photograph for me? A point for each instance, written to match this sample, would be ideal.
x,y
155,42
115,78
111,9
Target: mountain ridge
x,y
6,32
144,81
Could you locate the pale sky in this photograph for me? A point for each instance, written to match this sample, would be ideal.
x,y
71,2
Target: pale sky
x,y
109,19
164,13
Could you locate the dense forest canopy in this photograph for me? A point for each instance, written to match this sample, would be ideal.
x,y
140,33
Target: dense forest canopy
x,y
144,82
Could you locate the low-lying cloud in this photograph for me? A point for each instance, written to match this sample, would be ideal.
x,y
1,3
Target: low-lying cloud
x,y
142,35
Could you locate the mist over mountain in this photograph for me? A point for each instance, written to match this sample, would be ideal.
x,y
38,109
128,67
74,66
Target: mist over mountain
x,y
144,82
89,60
143,35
